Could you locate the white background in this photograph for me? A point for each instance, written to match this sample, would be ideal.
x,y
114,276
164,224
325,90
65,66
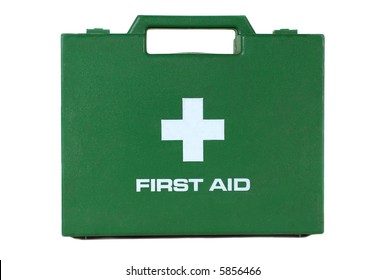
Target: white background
x,y
353,245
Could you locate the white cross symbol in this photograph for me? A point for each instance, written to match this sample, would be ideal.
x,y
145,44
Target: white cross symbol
x,y
192,129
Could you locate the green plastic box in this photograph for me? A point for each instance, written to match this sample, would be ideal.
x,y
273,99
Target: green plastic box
x,y
192,144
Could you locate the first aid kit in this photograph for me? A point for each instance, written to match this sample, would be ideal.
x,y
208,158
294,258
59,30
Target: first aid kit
x,y
192,144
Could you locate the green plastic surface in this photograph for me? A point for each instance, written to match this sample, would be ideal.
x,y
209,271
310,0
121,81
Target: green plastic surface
x,y
269,95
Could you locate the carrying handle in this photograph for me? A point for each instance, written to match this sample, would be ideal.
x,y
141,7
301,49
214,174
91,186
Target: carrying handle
x,y
238,23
